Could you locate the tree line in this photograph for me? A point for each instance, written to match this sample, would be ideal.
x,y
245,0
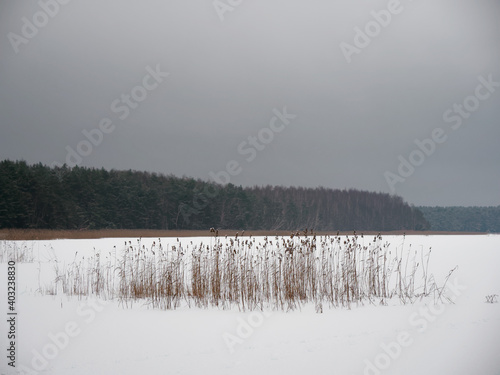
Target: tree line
x,y
38,196
463,219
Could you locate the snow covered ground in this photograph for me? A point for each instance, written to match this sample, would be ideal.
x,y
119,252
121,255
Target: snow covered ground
x,y
67,336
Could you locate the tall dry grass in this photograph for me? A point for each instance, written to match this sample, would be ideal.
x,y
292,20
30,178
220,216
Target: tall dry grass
x,y
20,252
281,273
51,234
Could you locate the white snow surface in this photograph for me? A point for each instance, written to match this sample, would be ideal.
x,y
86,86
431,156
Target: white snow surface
x,y
62,335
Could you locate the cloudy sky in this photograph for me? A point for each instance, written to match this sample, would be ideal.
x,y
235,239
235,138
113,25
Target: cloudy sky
x,y
399,97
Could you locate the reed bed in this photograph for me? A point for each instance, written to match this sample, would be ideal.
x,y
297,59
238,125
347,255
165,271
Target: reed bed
x,y
279,273
21,252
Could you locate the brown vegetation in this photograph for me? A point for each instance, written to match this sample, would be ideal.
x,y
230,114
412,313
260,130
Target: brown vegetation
x,y
281,273
47,234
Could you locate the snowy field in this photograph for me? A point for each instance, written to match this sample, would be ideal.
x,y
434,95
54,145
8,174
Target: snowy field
x,y
61,335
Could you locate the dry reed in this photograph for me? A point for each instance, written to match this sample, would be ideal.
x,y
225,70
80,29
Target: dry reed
x,y
281,273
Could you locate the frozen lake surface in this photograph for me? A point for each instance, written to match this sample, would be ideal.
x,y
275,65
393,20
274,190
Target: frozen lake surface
x,y
66,336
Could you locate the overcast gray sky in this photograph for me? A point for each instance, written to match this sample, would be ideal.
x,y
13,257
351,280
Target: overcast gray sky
x,y
232,68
